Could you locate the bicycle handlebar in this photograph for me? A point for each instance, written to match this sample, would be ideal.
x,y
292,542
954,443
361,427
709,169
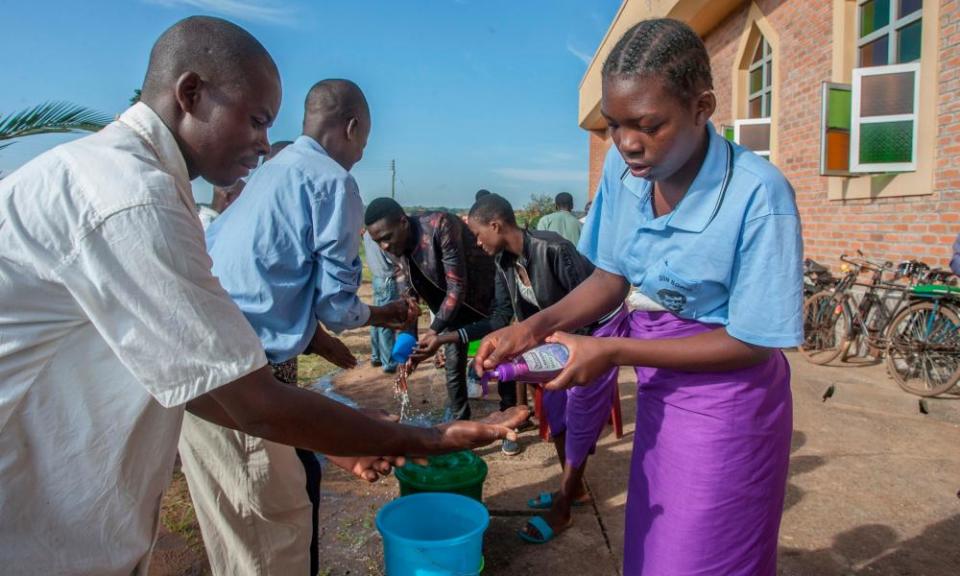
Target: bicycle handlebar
x,y
863,262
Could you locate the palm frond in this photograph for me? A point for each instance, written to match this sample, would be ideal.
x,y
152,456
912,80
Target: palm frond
x,y
51,117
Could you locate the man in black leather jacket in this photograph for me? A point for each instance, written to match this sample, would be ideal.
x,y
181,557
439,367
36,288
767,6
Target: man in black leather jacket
x,y
441,262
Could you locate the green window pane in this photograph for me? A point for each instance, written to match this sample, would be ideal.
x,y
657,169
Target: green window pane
x,y
766,104
908,7
886,142
874,15
728,133
839,108
756,80
755,108
908,43
769,74
875,53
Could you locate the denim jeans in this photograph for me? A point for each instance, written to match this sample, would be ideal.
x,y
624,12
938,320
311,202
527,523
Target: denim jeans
x,y
381,339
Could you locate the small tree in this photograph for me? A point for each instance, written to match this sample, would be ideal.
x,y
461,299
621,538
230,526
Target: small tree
x,y
539,206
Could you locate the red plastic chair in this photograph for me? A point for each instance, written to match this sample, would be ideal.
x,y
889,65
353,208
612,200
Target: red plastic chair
x,y
616,415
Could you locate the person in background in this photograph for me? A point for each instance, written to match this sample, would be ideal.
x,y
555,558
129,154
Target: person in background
x,y
586,212
223,196
383,271
536,270
446,269
275,149
113,324
563,222
955,260
710,233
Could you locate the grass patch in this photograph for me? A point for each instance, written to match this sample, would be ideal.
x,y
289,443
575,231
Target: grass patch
x,y
177,515
310,367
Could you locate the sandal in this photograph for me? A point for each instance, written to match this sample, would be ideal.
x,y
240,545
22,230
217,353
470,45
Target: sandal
x,y
546,532
545,501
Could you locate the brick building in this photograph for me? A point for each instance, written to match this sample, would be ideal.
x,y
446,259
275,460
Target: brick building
x,y
856,101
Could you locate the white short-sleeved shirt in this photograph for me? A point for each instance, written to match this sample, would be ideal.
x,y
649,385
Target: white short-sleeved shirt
x,y
730,253
110,320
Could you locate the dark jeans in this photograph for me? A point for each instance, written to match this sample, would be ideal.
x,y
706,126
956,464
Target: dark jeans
x,y
456,371
381,339
508,394
458,408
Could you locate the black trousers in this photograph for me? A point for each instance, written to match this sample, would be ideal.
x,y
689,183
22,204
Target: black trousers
x,y
456,374
314,472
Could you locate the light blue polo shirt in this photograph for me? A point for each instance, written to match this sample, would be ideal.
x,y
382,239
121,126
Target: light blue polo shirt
x,y
729,255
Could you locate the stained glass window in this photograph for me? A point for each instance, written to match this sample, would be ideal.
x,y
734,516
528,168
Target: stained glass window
x,y
883,119
759,81
835,130
753,134
889,31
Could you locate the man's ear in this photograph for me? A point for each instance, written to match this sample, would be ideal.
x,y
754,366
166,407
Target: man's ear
x,y
187,91
353,125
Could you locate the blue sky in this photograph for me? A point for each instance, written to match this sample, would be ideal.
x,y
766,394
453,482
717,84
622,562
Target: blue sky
x,y
465,94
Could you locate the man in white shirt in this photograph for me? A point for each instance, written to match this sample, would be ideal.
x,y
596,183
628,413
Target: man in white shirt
x,y
111,322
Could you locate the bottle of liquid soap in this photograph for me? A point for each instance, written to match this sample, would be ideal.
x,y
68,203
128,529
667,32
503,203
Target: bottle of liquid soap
x,y
535,366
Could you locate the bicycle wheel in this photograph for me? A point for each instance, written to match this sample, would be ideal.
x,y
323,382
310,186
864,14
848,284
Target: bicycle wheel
x,y
825,325
923,355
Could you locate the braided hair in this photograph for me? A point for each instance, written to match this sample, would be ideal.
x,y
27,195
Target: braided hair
x,y
665,48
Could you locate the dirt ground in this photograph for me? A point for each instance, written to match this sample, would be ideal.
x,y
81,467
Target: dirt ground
x,y
873,485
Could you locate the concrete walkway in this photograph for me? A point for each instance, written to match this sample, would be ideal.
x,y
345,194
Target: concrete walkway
x,y
873,484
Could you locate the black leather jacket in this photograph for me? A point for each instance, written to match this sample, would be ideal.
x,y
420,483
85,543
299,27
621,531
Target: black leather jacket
x,y
554,267
447,269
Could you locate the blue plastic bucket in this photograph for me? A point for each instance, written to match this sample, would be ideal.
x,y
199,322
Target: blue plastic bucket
x,y
433,534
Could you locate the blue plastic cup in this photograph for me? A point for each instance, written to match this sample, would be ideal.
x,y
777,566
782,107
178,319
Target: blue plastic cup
x,y
402,347
433,534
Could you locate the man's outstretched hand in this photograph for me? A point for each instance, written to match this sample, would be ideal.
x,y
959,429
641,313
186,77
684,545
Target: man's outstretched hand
x,y
369,468
466,434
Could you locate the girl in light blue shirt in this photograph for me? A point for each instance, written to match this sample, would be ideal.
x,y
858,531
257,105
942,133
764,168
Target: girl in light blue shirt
x,y
709,233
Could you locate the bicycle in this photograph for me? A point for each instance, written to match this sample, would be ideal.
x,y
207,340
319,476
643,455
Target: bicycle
x,y
832,323
837,322
923,350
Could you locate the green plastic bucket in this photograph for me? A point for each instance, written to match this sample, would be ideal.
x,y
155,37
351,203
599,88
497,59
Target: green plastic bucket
x,y
458,473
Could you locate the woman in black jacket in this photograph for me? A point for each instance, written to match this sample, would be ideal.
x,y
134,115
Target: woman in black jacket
x,y
536,270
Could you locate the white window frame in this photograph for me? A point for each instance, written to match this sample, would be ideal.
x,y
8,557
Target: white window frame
x,y
856,121
892,29
752,121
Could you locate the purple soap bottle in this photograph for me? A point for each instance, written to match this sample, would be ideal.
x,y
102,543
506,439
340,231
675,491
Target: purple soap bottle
x,y
535,366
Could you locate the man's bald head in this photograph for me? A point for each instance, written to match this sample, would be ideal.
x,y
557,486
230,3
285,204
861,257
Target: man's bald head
x,y
337,116
218,50
218,90
332,102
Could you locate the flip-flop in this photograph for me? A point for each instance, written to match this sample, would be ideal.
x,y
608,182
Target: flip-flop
x,y
546,532
545,501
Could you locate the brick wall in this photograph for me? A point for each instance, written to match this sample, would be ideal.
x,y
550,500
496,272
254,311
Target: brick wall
x,y
599,144
888,228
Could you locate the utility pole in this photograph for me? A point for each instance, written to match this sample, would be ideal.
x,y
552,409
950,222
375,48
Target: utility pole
x,y
393,178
